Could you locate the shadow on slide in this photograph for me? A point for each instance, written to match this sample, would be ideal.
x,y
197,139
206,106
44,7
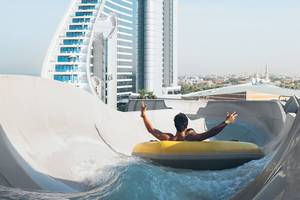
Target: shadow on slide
x,y
281,177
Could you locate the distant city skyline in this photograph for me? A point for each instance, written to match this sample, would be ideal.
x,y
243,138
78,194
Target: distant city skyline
x,y
215,37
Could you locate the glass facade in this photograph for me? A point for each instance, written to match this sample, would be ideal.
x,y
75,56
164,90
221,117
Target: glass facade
x,y
66,78
81,20
80,14
74,42
78,27
76,39
68,61
127,14
70,49
87,7
75,34
89,1
66,68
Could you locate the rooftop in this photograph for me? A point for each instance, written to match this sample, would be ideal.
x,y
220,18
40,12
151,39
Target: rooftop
x,y
265,88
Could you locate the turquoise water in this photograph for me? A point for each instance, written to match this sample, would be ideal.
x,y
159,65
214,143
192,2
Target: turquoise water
x,y
135,179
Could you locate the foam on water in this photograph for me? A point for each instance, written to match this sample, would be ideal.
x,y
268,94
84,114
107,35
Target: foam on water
x,y
132,178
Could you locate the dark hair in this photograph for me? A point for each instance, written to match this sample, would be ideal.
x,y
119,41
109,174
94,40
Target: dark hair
x,y
181,122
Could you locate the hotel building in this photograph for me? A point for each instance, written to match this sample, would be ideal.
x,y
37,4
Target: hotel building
x,y
113,48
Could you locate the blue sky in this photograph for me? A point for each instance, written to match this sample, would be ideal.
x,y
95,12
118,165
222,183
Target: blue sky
x,y
27,29
215,36
239,36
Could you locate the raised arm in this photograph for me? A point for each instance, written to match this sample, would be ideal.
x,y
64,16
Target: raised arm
x,y
230,118
156,133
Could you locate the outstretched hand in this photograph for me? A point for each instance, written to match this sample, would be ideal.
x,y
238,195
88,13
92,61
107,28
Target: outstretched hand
x,y
231,117
143,109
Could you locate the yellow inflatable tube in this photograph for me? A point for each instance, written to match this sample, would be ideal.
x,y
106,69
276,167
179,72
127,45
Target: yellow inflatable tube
x,y
204,155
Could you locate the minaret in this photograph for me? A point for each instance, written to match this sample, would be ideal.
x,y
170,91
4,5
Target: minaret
x,y
267,78
256,78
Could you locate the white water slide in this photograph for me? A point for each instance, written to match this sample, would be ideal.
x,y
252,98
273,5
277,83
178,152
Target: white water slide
x,y
50,131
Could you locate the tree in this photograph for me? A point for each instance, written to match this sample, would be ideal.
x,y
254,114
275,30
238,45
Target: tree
x,y
143,94
151,95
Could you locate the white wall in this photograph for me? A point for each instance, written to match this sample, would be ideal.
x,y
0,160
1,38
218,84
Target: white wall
x,y
153,45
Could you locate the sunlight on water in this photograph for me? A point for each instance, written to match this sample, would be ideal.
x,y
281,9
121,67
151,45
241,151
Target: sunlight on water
x,y
132,178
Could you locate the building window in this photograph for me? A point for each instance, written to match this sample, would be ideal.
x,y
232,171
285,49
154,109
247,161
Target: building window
x,y
124,76
87,7
66,78
78,27
66,68
75,34
123,83
73,42
89,1
70,49
67,59
81,14
81,20
121,90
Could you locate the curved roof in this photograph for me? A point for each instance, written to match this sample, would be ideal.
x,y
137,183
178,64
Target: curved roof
x,y
266,88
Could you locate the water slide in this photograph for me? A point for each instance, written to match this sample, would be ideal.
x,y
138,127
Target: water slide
x,y
51,131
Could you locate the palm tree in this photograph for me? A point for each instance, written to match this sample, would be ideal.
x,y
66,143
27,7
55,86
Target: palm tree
x,y
142,94
151,95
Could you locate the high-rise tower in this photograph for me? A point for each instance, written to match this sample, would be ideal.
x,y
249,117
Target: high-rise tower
x,y
113,48
170,39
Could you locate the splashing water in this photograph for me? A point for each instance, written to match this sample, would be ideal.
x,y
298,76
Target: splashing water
x,y
132,178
